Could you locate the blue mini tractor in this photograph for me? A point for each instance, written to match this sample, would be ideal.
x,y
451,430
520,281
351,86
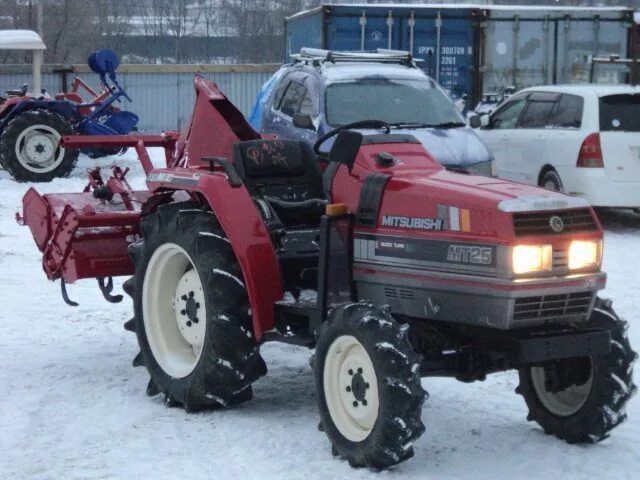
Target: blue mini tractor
x,y
32,124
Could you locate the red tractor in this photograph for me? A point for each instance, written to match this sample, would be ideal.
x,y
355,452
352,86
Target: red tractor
x,y
389,266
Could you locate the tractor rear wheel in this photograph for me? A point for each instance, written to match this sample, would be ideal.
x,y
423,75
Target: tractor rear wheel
x,y
580,400
191,311
30,147
368,385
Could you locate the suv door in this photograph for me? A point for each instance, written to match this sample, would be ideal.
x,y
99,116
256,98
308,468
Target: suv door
x,y
501,128
528,149
564,139
298,94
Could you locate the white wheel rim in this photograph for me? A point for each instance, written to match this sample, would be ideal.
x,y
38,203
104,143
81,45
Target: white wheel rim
x,y
173,309
38,149
351,388
565,402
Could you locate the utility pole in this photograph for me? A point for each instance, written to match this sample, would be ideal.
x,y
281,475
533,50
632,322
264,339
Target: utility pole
x,y
39,24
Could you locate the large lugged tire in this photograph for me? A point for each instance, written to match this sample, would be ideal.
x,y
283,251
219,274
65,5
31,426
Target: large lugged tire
x,y
594,404
191,311
30,147
368,386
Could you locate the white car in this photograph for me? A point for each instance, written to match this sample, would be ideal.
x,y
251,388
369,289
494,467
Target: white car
x,y
579,139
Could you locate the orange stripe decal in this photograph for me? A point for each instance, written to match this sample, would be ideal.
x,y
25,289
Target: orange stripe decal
x,y
465,220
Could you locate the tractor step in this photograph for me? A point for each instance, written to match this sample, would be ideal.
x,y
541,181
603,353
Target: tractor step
x,y
293,319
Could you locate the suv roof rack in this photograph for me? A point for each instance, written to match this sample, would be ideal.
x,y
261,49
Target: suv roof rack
x,y
380,55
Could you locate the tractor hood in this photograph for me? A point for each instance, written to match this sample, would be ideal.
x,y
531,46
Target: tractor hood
x,y
462,203
478,191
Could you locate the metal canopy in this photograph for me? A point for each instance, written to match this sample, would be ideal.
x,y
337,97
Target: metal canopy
x,y
20,40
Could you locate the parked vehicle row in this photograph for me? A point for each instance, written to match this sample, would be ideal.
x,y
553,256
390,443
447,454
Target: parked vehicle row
x,y
580,139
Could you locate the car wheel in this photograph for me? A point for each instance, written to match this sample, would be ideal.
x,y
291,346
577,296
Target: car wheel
x,y
551,181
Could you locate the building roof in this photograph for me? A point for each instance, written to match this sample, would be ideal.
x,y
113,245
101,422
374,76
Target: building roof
x,y
20,40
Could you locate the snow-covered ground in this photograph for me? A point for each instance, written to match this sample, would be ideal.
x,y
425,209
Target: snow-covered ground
x,y
72,407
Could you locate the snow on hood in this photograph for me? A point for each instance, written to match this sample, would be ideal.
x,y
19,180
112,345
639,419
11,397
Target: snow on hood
x,y
458,147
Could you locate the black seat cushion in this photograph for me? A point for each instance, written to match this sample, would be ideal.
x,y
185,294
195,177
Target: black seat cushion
x,y
286,174
283,169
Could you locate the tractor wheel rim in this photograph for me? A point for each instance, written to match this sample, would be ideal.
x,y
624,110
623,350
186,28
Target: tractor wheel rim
x,y
174,311
563,403
351,388
38,149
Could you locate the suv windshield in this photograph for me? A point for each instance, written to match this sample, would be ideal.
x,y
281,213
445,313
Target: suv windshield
x,y
620,113
418,103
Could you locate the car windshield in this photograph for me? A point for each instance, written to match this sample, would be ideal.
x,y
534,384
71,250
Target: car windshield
x,y
396,101
620,113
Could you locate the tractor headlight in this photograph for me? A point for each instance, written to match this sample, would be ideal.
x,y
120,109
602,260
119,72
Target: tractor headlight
x,y
532,258
584,254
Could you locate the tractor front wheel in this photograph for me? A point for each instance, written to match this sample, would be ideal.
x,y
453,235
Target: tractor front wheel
x,y
580,400
368,386
191,311
30,147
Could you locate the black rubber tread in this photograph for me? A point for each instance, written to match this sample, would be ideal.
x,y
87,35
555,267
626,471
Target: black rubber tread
x,y
9,137
401,395
230,361
612,388
552,175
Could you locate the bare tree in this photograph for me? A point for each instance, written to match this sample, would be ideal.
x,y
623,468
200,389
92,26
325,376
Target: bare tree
x,y
182,17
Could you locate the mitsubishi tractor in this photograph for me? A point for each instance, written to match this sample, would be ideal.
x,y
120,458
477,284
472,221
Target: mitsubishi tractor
x,y
374,255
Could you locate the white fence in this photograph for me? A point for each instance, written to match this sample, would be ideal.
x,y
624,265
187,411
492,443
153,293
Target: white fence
x,y
162,95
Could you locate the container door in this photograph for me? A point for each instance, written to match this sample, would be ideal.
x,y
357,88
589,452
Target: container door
x,y
518,51
620,136
451,65
578,39
304,31
345,32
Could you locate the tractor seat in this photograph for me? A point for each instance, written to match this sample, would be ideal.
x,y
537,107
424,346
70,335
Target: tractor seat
x,y
286,175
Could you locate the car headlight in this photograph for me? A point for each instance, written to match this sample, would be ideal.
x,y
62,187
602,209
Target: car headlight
x,y
532,258
584,254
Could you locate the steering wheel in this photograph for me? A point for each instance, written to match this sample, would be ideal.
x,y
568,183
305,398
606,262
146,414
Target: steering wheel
x,y
348,126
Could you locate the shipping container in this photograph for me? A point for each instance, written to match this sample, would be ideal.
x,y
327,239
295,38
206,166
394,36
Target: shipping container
x,y
475,48
535,46
442,39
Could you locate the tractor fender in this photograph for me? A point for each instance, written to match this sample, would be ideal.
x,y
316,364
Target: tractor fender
x,y
64,108
245,230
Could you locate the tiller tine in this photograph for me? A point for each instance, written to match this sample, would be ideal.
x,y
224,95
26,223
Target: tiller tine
x,y
106,287
65,296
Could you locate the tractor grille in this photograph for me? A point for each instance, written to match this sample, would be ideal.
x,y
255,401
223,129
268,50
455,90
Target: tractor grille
x,y
579,220
551,306
560,259
398,293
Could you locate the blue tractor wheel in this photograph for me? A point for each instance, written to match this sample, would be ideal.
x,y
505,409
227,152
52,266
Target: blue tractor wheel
x,y
30,146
